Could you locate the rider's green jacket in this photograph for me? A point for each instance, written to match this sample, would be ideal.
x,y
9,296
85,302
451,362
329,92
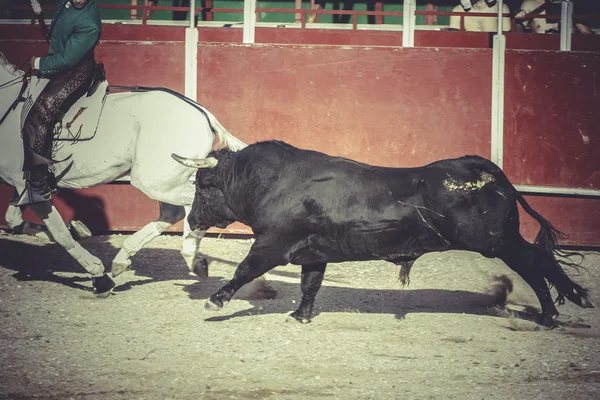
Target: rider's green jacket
x,y
74,35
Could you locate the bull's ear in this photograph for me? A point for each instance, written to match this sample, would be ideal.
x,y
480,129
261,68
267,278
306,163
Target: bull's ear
x,y
209,162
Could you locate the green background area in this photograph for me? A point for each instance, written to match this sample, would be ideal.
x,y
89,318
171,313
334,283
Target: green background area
x,y
123,14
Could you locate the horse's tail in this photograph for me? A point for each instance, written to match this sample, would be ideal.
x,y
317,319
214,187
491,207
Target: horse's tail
x,y
546,242
223,137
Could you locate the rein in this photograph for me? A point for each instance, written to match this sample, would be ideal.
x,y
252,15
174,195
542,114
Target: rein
x,y
191,102
19,98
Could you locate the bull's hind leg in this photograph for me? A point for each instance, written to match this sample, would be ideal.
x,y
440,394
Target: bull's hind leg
x,y
103,284
523,258
562,283
312,277
169,215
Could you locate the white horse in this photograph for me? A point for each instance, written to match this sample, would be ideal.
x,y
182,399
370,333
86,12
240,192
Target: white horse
x,y
135,136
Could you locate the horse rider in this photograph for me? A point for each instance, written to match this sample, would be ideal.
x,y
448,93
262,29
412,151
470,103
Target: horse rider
x,y
69,67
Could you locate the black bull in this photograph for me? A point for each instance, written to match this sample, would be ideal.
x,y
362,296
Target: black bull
x,y
308,208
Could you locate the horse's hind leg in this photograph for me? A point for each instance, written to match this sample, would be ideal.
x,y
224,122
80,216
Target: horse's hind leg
x,y
190,244
103,284
14,217
524,259
169,215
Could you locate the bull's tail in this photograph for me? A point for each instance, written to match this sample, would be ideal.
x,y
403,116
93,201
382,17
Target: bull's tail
x,y
546,243
547,240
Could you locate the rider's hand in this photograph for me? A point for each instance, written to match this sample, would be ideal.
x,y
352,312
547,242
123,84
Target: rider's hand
x,y
32,63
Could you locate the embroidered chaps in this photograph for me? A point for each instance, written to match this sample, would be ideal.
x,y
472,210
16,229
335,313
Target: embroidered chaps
x,y
61,92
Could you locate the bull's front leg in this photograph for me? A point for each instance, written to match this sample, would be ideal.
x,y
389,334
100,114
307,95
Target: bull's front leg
x,y
251,268
312,277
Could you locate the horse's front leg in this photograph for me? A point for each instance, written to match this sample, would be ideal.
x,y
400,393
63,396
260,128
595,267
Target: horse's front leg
x,y
103,284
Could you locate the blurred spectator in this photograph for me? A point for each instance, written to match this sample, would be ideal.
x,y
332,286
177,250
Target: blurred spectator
x,y
537,25
551,24
148,13
316,5
180,15
430,19
480,24
583,25
467,4
348,5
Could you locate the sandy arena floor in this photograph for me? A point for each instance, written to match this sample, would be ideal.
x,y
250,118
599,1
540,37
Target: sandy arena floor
x,y
443,337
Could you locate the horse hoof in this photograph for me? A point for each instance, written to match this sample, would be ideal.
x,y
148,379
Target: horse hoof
x,y
119,267
103,286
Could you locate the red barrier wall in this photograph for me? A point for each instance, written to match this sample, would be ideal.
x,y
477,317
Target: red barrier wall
x,y
382,105
552,115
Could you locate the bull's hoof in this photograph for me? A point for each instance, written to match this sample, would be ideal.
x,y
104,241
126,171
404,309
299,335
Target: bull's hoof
x,y
548,321
211,306
103,286
201,268
298,318
118,267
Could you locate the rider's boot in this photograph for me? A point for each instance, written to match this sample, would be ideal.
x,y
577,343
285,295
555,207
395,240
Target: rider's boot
x,y
37,189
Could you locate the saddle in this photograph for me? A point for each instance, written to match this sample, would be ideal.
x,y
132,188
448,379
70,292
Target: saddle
x,y
80,121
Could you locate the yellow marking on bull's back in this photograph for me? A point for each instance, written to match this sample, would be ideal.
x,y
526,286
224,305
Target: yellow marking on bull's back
x,y
453,185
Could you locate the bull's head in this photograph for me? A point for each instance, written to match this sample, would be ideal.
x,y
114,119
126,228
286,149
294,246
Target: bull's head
x,y
209,162
208,206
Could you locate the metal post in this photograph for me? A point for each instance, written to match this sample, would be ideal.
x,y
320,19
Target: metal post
x,y
409,20
249,20
566,24
191,62
498,53
192,13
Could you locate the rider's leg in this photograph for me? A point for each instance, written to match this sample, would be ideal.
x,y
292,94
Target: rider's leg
x,y
61,91
36,146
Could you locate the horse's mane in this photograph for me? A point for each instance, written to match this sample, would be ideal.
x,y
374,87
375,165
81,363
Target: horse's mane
x,y
10,68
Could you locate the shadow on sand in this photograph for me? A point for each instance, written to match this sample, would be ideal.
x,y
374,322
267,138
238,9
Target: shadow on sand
x,y
41,263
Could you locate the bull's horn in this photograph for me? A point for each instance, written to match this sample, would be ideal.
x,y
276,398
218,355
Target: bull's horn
x,y
209,162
